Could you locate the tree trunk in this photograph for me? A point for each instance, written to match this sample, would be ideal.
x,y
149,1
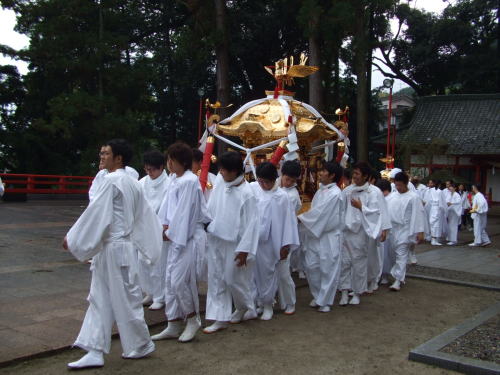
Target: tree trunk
x,y
361,85
315,84
222,55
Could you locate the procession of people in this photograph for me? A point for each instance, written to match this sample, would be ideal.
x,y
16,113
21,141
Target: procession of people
x,y
152,242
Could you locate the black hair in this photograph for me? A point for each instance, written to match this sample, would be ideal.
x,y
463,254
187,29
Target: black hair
x,y
231,161
364,168
120,147
402,177
478,187
333,168
374,174
181,153
348,174
154,158
267,171
291,168
197,155
384,185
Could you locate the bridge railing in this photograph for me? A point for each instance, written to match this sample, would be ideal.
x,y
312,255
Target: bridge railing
x,y
45,184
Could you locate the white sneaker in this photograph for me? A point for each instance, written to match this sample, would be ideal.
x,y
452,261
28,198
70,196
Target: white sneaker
x,y
267,314
237,316
396,286
486,243
313,303
289,310
217,326
435,242
147,300
156,306
172,331
413,258
384,281
354,300
249,315
93,358
474,244
451,243
324,309
192,326
344,300
141,352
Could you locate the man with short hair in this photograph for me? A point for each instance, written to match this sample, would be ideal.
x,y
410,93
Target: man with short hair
x,y
432,202
363,221
322,246
117,221
479,214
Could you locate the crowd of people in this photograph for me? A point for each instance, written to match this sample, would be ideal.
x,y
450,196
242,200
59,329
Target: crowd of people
x,y
153,242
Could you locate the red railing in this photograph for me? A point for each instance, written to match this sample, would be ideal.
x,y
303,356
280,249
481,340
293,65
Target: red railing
x,y
45,184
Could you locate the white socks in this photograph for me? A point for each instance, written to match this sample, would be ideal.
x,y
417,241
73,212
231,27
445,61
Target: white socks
x,y
93,358
354,300
141,352
396,286
267,313
344,300
172,331
192,326
237,316
156,306
289,310
217,326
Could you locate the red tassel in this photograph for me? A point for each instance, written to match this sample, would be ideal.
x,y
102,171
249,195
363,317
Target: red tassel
x,y
278,153
205,164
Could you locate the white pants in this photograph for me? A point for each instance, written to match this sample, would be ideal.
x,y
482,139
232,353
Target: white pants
x,y
152,277
389,257
375,261
323,261
286,286
452,233
354,262
200,245
435,221
480,235
227,283
114,295
266,273
400,253
181,292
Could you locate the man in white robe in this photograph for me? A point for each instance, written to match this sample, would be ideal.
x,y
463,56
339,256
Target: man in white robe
x,y
479,214
154,187
363,221
408,225
433,204
290,172
117,221
322,245
454,214
233,237
278,237
383,247
2,188
183,212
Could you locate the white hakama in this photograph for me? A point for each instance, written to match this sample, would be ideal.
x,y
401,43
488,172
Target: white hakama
x,y
480,218
454,214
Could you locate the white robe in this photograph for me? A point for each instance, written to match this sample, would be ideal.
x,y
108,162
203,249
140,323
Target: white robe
x,y
99,178
278,228
433,208
445,197
480,217
360,226
184,211
296,259
152,277
322,245
117,221
454,214
234,229
2,189
407,219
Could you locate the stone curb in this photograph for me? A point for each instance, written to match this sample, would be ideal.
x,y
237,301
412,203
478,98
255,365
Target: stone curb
x,y
454,282
429,353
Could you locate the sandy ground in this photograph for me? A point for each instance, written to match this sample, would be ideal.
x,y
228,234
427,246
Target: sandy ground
x,y
373,338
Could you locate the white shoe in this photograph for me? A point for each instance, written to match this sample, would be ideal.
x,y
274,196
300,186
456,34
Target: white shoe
x,y
384,281
142,352
289,310
354,300
313,303
486,243
147,300
237,316
192,326
249,315
156,306
435,242
267,314
474,244
217,326
259,310
451,243
93,358
324,309
413,258
172,331
302,275
396,286
344,300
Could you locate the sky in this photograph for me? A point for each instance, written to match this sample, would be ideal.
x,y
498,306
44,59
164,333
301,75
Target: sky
x,y
11,38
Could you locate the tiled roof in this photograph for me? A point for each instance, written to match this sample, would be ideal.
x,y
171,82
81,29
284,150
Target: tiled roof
x,y
470,124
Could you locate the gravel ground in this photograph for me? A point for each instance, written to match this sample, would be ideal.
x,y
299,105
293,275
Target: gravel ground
x,y
483,342
454,275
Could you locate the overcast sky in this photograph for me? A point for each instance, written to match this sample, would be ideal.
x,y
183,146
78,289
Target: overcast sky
x,y
9,37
